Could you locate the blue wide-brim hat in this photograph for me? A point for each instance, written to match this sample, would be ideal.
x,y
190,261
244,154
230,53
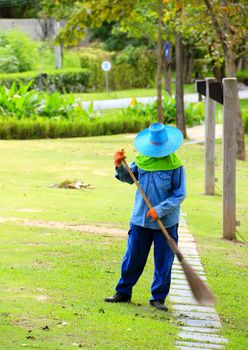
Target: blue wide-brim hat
x,y
158,140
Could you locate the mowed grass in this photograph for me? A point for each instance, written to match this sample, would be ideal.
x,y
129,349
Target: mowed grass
x,y
53,280
52,288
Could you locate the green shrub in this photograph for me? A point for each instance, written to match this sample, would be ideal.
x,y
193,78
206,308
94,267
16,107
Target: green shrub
x,y
8,61
128,70
42,127
61,80
21,102
19,50
194,112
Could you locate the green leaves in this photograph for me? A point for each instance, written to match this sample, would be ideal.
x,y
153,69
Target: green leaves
x,y
194,112
17,52
21,102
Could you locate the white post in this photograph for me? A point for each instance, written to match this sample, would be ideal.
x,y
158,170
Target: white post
x,y
229,157
106,82
57,48
210,113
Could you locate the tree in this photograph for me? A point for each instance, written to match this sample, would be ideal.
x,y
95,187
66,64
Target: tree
x,y
139,18
222,30
230,24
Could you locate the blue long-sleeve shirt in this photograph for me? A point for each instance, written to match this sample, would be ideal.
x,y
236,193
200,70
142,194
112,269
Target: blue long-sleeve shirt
x,y
165,190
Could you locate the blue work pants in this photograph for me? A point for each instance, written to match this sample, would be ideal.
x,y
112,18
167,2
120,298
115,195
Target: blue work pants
x,y
138,247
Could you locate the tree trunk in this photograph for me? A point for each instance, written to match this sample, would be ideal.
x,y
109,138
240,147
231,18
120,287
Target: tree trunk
x,y
160,64
167,68
180,120
188,64
240,138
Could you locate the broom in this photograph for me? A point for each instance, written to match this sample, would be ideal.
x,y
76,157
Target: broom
x,y
199,289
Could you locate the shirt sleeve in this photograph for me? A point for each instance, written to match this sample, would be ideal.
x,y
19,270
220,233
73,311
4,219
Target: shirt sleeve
x,y
178,193
122,174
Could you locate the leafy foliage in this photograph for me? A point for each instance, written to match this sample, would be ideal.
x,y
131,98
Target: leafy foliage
x,y
21,102
194,112
17,51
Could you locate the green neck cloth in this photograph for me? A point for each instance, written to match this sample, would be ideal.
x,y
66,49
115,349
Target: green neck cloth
x,y
169,162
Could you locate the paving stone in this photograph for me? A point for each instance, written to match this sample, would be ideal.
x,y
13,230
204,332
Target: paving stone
x,y
182,300
199,323
207,309
183,292
187,239
180,272
197,268
198,264
178,276
177,287
195,346
197,315
201,330
182,282
202,337
193,261
188,242
191,250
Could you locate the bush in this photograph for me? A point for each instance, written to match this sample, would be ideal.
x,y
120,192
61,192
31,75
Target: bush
x,y
21,102
18,52
61,80
194,112
132,68
8,61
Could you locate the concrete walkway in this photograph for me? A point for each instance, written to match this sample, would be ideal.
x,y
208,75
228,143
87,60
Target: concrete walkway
x,y
197,133
125,102
199,325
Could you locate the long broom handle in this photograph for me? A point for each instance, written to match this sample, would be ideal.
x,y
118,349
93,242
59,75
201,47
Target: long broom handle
x,y
170,241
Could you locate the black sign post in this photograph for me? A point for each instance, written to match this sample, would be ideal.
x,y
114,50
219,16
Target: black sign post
x,y
216,91
201,87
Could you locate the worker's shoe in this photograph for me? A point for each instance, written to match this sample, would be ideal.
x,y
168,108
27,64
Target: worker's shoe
x,y
158,304
118,298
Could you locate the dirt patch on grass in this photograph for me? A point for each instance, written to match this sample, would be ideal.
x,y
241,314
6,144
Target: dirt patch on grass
x,y
101,230
42,298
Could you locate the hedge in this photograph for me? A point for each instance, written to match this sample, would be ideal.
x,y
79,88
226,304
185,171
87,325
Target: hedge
x,y
61,80
41,127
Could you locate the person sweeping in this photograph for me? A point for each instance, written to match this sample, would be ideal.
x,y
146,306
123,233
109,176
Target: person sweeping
x,y
161,176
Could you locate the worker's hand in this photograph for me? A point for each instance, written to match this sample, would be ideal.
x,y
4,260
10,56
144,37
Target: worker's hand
x,y
152,214
119,157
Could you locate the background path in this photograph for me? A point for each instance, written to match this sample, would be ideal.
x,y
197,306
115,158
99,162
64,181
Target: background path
x,y
125,102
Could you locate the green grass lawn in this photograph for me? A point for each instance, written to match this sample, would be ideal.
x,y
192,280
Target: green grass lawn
x,y
53,280
188,88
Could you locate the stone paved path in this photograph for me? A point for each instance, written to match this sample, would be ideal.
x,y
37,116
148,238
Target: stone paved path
x,y
199,325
